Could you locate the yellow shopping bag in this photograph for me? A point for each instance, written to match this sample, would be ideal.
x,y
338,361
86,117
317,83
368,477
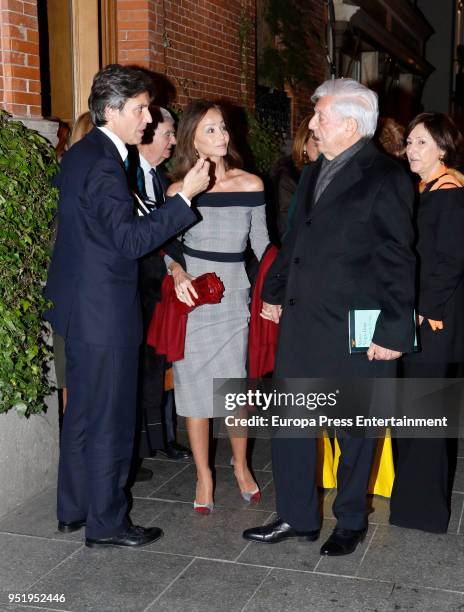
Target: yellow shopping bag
x,y
383,472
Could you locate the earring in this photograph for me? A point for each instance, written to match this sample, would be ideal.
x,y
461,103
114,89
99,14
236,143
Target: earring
x,y
197,154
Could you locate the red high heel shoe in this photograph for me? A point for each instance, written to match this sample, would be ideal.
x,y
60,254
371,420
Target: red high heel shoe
x,y
252,497
203,509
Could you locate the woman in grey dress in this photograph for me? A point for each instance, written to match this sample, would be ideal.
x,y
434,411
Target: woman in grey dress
x,y
231,211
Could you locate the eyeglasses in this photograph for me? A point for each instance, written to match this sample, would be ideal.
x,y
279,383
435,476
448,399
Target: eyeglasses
x,y
169,133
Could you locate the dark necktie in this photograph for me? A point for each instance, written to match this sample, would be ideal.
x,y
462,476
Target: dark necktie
x,y
157,187
141,184
137,177
144,207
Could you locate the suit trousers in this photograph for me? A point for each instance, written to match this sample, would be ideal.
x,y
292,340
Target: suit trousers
x,y
169,416
150,434
295,479
97,436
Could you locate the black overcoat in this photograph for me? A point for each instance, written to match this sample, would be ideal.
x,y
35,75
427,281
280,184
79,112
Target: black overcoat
x,y
352,249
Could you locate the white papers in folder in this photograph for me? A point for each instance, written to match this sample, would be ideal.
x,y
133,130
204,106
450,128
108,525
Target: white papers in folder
x,y
361,328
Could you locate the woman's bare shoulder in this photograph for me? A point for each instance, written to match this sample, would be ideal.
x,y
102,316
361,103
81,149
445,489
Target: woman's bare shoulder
x,y
174,188
245,181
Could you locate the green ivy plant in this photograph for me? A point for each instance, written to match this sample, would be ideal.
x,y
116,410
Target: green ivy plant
x,y
290,24
265,143
27,204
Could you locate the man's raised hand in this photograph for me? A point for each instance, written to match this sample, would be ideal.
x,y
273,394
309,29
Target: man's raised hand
x,y
197,179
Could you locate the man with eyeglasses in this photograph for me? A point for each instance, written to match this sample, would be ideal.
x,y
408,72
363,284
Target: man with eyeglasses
x,y
149,179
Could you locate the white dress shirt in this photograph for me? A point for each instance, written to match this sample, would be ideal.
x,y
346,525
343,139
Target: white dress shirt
x,y
118,143
146,167
122,149
148,179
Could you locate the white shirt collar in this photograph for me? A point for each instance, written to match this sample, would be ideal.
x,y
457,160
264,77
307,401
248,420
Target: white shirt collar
x,y
146,167
145,164
118,143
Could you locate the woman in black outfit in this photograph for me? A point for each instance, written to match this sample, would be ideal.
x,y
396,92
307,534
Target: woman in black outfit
x,y
286,174
422,488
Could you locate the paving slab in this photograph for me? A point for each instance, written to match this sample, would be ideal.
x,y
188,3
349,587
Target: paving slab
x,y
415,558
458,484
106,580
163,471
211,585
379,509
42,522
25,559
145,512
457,512
217,536
288,591
415,598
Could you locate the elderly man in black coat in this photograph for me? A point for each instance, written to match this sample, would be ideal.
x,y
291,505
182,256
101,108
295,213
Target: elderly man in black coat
x,y
350,249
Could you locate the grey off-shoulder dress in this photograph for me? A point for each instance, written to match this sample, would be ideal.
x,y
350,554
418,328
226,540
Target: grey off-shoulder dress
x,y
217,334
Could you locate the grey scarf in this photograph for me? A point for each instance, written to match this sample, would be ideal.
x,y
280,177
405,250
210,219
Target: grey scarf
x,y
330,168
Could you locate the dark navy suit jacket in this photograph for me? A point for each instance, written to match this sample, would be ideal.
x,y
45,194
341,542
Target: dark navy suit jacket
x,y
93,275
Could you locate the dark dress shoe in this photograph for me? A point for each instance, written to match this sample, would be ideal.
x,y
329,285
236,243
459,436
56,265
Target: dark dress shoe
x,y
134,536
278,531
70,527
343,542
174,450
143,474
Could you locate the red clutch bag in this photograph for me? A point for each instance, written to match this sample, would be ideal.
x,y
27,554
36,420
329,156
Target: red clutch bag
x,y
209,288
168,326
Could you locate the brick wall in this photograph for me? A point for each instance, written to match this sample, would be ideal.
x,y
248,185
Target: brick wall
x,y
138,42
19,58
196,43
317,62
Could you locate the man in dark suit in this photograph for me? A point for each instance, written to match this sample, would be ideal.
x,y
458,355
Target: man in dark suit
x,y
350,248
92,283
147,176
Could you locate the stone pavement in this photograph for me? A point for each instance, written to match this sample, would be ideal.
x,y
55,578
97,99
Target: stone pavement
x,y
203,564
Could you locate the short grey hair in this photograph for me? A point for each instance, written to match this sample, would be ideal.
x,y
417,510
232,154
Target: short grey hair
x,y
352,99
158,115
166,115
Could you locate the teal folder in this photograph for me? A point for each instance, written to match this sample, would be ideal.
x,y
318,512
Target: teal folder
x,y
361,328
